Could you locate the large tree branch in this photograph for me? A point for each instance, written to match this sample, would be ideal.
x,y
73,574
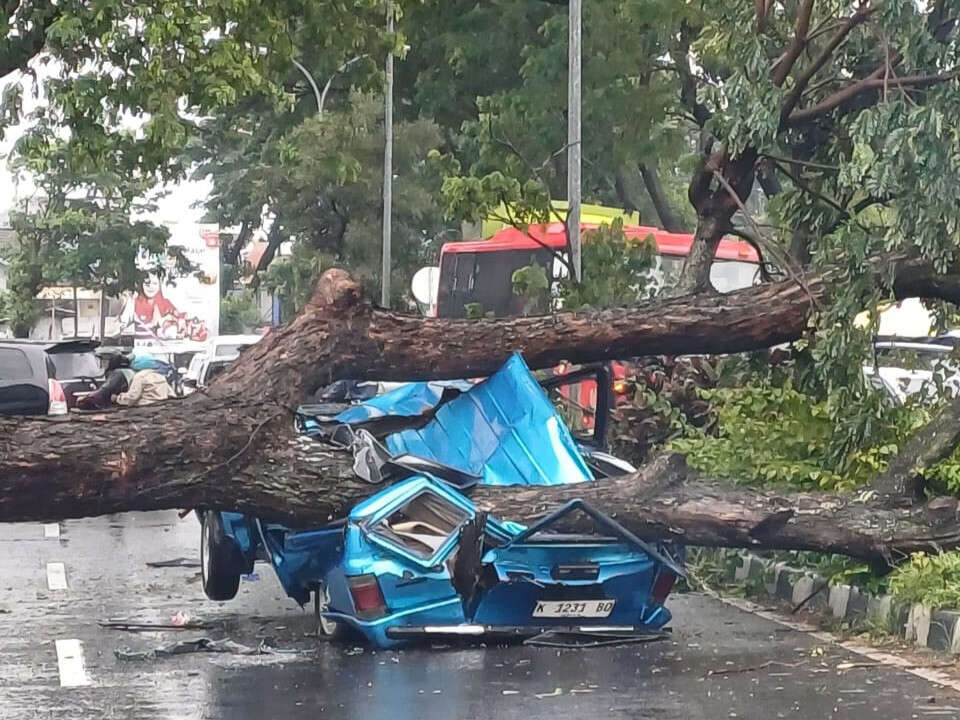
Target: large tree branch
x,y
902,481
665,501
803,80
300,482
874,81
651,181
231,251
32,20
785,63
275,238
680,54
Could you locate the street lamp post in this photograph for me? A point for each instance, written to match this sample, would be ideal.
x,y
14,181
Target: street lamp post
x,y
387,168
321,97
574,136
313,84
326,88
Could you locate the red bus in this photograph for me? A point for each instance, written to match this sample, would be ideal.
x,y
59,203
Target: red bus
x,y
480,271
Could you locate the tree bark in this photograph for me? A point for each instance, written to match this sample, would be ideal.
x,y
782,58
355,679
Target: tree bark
x,y
274,239
902,481
302,483
715,207
234,446
665,501
231,251
17,50
651,181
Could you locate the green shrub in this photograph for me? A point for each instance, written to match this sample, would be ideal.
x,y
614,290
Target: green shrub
x,y
929,579
769,436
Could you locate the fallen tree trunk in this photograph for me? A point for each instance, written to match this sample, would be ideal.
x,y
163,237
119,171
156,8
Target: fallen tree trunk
x,y
234,446
301,482
902,481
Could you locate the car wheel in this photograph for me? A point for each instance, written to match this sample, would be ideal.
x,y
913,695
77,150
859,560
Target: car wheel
x,y
219,566
328,627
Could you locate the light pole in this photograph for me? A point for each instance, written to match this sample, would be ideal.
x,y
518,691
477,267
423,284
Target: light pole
x,y
387,168
326,88
321,97
313,84
574,53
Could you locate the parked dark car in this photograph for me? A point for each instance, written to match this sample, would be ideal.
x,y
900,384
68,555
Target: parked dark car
x,y
78,367
28,384
36,377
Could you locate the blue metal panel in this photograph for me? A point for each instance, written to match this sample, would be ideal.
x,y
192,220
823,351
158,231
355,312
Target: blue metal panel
x,y
624,574
408,400
236,526
504,429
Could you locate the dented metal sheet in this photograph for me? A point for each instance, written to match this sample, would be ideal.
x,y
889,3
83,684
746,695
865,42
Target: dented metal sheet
x,y
504,429
407,400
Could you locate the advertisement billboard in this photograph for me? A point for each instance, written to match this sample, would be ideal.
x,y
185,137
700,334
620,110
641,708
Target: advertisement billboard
x,y
174,311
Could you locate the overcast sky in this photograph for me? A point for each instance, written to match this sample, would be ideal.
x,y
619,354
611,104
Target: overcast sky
x,y
175,207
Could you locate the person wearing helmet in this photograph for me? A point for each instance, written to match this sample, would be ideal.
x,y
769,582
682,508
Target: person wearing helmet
x,y
119,375
148,384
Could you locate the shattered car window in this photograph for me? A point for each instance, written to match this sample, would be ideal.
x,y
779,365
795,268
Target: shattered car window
x,y
576,403
423,525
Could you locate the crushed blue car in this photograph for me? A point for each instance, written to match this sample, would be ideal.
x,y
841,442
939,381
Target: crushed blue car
x,y
419,560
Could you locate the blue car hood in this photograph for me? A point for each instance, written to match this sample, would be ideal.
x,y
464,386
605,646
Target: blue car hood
x,y
504,430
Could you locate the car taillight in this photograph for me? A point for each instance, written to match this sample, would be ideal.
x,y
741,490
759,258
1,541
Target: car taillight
x,y
663,585
58,399
620,387
367,598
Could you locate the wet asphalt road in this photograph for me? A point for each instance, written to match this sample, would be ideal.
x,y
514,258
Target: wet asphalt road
x,y
105,562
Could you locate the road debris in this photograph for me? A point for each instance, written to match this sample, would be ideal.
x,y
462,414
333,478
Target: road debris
x,y
752,668
587,639
175,563
204,644
931,666
176,623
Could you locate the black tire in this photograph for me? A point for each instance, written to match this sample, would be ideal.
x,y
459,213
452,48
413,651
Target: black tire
x,y
220,561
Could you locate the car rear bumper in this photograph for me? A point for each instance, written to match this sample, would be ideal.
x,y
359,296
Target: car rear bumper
x,y
508,632
444,620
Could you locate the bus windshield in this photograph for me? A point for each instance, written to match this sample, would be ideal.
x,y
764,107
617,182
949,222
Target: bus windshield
x,y
482,282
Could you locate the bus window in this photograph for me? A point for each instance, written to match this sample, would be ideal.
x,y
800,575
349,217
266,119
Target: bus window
x,y
729,275
664,274
463,273
560,269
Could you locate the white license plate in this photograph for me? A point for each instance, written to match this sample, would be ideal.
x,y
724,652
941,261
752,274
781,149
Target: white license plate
x,y
573,608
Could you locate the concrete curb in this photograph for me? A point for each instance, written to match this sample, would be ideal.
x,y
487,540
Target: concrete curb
x,y
937,630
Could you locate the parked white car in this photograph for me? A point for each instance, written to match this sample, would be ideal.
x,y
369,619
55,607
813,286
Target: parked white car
x,y
220,352
903,368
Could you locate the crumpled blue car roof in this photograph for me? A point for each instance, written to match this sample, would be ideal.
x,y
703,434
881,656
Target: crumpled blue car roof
x,y
409,400
504,430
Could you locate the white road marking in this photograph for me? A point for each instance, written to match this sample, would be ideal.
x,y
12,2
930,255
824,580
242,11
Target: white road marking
x,y
56,576
928,674
70,664
51,530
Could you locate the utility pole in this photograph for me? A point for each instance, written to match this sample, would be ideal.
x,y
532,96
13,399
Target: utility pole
x,y
573,136
387,168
